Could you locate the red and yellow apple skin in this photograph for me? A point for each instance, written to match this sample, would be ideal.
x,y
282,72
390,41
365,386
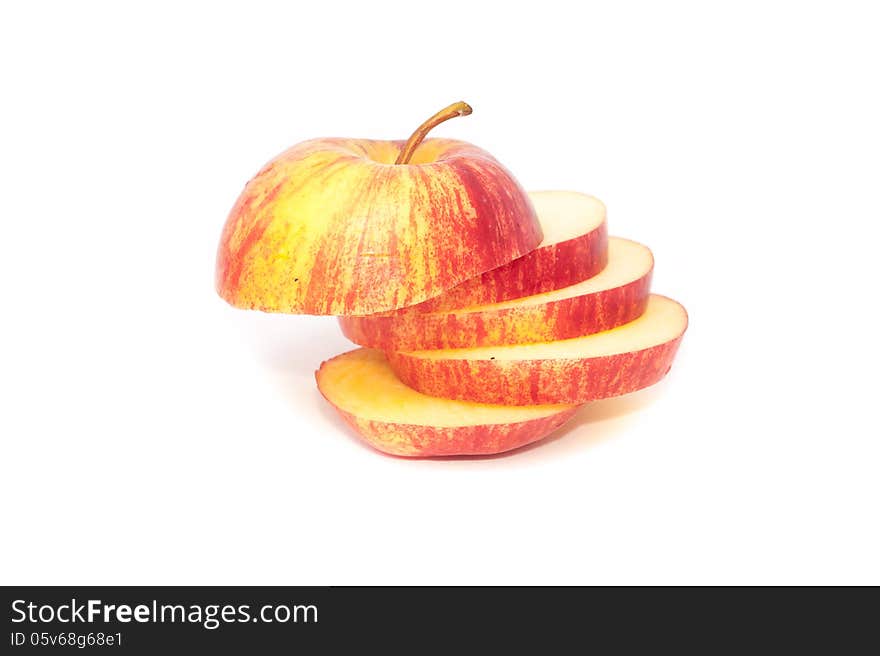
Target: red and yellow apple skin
x,y
396,419
542,380
522,324
333,226
415,441
545,269
539,381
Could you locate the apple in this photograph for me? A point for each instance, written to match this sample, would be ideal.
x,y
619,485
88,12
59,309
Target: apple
x,y
356,226
574,248
618,361
398,420
614,297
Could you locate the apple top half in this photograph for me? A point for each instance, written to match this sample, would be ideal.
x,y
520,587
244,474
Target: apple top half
x,y
334,226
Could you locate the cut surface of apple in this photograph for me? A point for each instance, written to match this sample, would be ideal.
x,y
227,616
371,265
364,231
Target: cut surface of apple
x,y
399,420
574,248
615,296
618,361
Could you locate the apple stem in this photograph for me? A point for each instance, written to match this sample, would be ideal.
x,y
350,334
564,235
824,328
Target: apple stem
x,y
459,108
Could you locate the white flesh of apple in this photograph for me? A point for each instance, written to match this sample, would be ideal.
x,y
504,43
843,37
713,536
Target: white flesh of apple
x,y
565,215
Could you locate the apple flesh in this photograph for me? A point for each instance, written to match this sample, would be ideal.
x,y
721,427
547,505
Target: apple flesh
x,y
396,419
574,248
614,297
618,361
334,226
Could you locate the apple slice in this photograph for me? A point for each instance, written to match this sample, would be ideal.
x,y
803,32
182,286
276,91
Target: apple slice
x,y
614,297
398,420
618,361
574,248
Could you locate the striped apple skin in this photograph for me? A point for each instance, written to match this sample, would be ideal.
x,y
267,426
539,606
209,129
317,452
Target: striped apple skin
x,y
418,441
534,382
545,269
619,361
330,226
546,322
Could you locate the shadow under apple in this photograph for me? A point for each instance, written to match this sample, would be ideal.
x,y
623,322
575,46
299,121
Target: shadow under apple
x,y
593,423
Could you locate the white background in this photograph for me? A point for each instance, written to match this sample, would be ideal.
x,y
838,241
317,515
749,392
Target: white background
x,y
152,434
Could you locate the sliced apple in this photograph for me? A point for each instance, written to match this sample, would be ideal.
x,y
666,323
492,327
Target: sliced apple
x,y
398,420
614,297
574,248
618,361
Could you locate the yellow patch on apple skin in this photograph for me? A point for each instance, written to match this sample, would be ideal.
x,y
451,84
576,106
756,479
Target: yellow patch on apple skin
x,y
411,441
330,227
